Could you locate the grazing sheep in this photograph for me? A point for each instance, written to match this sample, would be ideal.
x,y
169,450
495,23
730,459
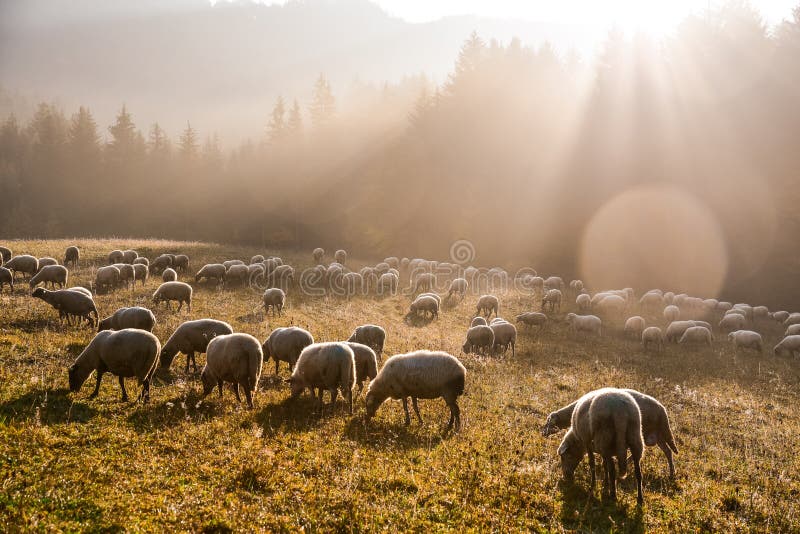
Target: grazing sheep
x,y
129,256
488,304
458,287
6,277
258,258
283,277
124,353
229,263
82,290
760,312
531,319
285,345
780,316
141,260
136,317
366,363
71,256
275,298
45,261
5,254
52,274
611,306
325,366
652,300
68,302
177,291
731,323
160,263
554,282
792,330
696,335
420,375
609,422
340,256
584,302
424,282
169,275
115,256
675,330
424,304
387,284
497,320
353,284
234,358
656,429
794,318
789,346
140,273
192,337
106,278
480,340
215,271
552,300
505,335
127,274
25,264
585,323
181,263
318,254
634,327
672,313
370,335
652,336
746,339
237,273
477,321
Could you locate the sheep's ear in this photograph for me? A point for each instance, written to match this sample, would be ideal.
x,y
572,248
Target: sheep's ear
x,y
562,448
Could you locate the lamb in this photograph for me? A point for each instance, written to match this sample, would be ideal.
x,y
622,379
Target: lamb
x,y
178,291
169,275
792,330
234,358
25,264
192,337
238,272
652,336
181,263
746,339
731,323
318,255
480,340
69,302
215,271
695,335
53,274
656,429
124,353
672,313
634,327
552,300
584,302
115,256
531,319
420,375
789,346
5,254
477,321
458,287
607,421
71,256
424,304
106,278
136,317
160,263
505,335
488,304
370,335
585,323
275,298
140,272
6,277
340,256
366,363
325,366
285,345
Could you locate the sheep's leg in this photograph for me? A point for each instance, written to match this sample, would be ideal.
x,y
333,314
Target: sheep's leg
x,y
513,349
235,389
180,305
405,409
334,394
249,396
100,371
637,469
416,409
668,453
611,474
591,468
320,392
276,367
350,400
219,386
122,387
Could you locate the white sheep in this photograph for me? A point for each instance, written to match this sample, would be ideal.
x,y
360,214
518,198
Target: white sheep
x,y
387,284
174,291
424,304
69,303
325,366
135,317
732,322
6,278
370,335
239,273
505,335
672,313
215,271
487,304
480,340
140,272
366,363
793,318
584,302
128,256
652,336
285,345
696,335
634,326
531,319
192,337
234,358
72,255
780,316
746,339
115,256
585,323
169,275
274,298
24,263
552,300
318,254
340,256
52,274
789,346
458,287
792,330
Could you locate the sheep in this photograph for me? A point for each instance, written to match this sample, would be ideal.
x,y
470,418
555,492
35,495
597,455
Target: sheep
x,y
239,273
780,316
318,254
424,304
5,254
115,256
611,306
458,287
387,284
789,346
178,291
505,335
554,282
652,300
656,429
497,320
652,336
760,312
634,327
127,274
234,358
282,277
576,285
477,321
584,302
192,337
607,421
420,374
169,275
488,304
370,335
792,330
82,290
531,319
6,277
480,340
731,323
552,300
229,263
585,323
366,364
215,271
285,345
696,335
794,318
139,273
136,317
353,284
423,282
25,264
160,263
340,256
141,260
71,256
675,330
45,261
672,313
69,302
123,353
275,298
325,366
54,274
258,258
181,263
746,339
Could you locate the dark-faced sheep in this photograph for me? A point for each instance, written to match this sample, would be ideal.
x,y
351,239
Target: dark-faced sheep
x,y
50,274
69,303
24,263
190,338
135,317
174,291
370,335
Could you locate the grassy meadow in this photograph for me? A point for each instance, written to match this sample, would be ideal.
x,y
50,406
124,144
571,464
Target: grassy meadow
x,y
70,464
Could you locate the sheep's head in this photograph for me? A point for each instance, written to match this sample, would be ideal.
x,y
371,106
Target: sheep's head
x,y
372,402
39,293
571,455
551,425
296,385
208,382
75,382
467,347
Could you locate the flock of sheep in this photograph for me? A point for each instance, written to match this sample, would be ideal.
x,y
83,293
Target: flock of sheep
x,y
607,421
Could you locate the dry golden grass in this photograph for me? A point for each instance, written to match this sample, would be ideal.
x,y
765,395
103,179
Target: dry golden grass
x,y
68,463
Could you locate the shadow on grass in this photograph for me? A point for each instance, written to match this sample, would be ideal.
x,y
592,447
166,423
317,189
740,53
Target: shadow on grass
x,y
381,434
582,511
47,407
300,414
177,410
417,320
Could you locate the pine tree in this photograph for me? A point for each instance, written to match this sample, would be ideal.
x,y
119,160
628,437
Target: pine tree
x,y
188,143
294,126
323,103
472,54
276,129
84,140
158,143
